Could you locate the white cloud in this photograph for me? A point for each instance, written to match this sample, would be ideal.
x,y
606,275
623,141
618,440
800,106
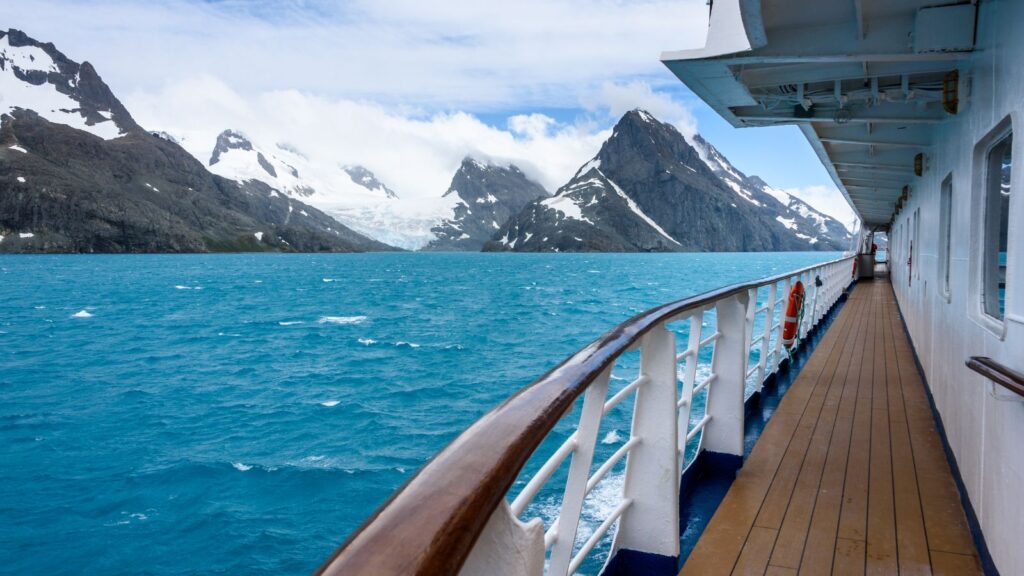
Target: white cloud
x,y
414,153
615,99
439,55
829,200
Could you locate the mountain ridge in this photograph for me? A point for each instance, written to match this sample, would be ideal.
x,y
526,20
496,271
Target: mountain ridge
x,y
649,189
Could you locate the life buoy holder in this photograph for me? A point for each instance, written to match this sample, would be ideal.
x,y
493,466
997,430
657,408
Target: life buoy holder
x,y
854,268
791,323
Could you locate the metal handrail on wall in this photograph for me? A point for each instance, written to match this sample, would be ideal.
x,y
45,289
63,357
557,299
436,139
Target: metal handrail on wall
x,y
453,516
998,373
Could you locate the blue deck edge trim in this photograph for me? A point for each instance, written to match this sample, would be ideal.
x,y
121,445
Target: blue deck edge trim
x,y
987,564
708,478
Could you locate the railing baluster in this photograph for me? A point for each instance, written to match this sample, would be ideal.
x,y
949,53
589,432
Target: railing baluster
x,y
762,362
689,375
777,357
748,333
579,473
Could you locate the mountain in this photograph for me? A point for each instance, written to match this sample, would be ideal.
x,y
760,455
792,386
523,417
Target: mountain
x,y
648,189
350,193
78,174
484,197
797,215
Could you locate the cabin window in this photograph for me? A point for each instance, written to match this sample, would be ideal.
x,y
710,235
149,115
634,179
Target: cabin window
x,y
998,171
945,233
916,244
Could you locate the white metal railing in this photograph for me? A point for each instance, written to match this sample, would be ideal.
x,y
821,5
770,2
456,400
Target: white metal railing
x,y
720,428
454,516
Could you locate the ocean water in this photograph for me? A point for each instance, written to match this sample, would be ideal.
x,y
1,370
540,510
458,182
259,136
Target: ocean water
x,y
187,414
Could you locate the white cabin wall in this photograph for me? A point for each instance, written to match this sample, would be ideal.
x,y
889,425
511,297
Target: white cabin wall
x,y
984,425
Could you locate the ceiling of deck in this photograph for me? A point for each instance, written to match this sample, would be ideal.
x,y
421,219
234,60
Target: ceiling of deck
x,y
862,78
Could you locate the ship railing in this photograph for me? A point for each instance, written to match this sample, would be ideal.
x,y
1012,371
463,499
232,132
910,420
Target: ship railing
x,y
455,515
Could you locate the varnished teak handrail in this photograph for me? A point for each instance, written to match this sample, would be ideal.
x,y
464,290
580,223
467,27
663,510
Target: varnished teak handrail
x,y
430,524
996,372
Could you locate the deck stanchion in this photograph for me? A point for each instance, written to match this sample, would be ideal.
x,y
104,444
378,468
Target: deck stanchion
x,y
650,524
724,431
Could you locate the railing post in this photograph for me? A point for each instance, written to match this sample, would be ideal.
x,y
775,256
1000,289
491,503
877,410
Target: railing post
x,y
649,528
724,431
579,473
507,547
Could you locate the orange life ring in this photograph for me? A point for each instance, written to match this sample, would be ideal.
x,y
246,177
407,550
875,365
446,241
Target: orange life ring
x,y
789,325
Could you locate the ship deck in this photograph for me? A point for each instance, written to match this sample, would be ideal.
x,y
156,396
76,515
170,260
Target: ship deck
x,y
850,475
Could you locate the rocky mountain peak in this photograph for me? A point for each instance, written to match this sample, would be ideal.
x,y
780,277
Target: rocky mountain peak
x,y
365,178
485,196
229,140
76,94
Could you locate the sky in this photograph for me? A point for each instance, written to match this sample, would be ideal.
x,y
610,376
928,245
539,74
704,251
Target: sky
x,y
409,87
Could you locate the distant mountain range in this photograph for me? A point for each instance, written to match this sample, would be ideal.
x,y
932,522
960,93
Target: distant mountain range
x,y
78,174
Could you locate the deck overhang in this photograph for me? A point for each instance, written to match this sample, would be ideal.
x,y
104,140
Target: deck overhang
x,y
865,82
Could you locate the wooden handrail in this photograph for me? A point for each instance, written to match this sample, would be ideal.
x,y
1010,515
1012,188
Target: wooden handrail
x,y
996,372
430,524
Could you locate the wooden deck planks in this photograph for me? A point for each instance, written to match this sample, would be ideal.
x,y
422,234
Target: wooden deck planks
x,y
849,476
881,548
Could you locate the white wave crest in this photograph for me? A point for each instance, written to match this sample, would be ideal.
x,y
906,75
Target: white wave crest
x,y
402,344
290,322
367,341
612,437
341,319
241,467
82,314
330,403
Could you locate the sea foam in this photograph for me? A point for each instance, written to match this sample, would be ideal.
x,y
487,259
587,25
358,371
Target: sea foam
x,y
341,319
82,314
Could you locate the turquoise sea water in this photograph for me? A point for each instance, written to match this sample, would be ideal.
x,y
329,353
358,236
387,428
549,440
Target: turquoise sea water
x,y
211,413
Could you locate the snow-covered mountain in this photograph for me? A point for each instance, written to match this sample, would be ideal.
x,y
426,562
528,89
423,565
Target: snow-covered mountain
x,y
78,174
485,196
35,76
797,215
350,193
648,189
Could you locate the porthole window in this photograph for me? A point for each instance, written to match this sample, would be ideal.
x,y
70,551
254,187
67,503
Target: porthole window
x,y
945,233
998,171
